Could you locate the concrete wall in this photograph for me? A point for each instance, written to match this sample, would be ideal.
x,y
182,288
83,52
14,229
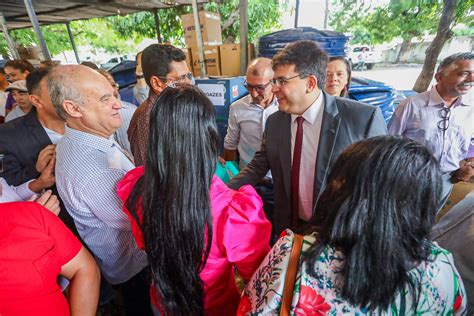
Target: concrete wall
x,y
417,51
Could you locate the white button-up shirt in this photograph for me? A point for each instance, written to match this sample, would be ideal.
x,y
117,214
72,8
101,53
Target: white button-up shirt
x,y
246,126
313,118
417,118
88,169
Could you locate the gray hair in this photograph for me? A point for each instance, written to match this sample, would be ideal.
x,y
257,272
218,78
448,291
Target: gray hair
x,y
61,87
448,61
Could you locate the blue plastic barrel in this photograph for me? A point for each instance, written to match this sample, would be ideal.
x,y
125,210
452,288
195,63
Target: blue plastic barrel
x,y
334,43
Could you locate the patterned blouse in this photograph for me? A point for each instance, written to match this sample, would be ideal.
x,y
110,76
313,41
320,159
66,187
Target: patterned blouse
x,y
442,291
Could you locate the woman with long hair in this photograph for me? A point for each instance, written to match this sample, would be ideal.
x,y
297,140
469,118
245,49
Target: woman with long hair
x,y
193,228
338,77
368,249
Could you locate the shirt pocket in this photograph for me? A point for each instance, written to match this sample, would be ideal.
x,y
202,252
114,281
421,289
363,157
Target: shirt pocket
x,y
46,264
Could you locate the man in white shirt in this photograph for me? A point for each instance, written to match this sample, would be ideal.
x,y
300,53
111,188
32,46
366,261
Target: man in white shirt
x,y
247,116
303,139
88,167
442,119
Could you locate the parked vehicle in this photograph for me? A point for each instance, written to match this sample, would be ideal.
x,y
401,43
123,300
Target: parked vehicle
x,y
113,62
372,57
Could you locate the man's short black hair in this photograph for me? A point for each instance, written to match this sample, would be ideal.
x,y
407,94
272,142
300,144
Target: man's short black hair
x,y
308,58
156,60
34,78
448,61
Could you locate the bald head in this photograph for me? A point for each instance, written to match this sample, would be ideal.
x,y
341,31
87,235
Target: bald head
x,y
260,67
85,99
68,82
259,75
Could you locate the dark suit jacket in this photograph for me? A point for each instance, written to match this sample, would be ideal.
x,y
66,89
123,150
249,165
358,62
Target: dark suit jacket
x,y
344,123
21,141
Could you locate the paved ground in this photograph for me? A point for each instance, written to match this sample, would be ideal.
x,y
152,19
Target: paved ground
x,y
401,77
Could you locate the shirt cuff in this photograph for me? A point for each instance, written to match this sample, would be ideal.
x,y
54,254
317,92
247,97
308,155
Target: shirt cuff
x,y
24,191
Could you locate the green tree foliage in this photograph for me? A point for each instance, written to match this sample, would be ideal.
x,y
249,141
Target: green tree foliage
x,y
118,34
263,15
370,24
95,32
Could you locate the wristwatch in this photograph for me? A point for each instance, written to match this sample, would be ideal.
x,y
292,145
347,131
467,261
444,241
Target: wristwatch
x,y
139,76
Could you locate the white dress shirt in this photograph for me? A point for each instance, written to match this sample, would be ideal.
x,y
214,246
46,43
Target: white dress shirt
x,y
14,194
88,168
313,118
418,117
53,136
246,126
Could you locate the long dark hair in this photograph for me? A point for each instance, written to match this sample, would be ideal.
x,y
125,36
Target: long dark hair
x,y
345,91
378,209
174,197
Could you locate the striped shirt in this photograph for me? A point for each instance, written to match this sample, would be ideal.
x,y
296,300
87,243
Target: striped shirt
x,y
87,181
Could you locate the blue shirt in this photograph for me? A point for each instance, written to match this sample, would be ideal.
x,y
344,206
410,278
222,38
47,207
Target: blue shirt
x,y
418,118
86,178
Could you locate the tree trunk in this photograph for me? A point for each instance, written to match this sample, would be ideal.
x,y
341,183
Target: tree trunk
x,y
326,14
402,53
433,51
233,17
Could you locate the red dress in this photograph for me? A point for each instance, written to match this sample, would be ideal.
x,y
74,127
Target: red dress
x,y
240,238
34,245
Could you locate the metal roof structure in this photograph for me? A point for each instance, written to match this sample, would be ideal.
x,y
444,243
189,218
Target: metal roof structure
x,y
62,11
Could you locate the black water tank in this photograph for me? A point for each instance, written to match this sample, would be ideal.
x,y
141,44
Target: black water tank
x,y
334,43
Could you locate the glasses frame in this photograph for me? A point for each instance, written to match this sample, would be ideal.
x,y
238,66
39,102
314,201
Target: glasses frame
x,y
172,82
445,114
259,88
280,82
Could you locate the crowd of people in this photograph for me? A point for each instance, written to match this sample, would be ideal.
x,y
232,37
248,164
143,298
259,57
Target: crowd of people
x,y
114,209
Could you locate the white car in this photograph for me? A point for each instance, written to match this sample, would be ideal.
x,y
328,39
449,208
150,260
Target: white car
x,y
372,57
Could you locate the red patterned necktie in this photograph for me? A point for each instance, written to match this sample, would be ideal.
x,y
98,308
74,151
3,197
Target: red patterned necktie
x,y
295,171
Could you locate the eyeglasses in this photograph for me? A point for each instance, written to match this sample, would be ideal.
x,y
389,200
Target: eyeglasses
x,y
279,82
259,88
445,114
181,79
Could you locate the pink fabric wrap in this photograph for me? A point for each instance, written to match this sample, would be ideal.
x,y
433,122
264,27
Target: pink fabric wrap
x,y
241,234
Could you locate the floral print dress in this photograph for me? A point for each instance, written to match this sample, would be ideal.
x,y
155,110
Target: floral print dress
x,y
442,291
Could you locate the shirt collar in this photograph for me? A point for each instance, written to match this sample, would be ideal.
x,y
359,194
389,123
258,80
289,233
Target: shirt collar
x,y
312,112
94,141
434,99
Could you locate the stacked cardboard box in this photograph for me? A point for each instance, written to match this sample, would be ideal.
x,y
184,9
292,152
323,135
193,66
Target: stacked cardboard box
x,y
221,60
230,58
211,36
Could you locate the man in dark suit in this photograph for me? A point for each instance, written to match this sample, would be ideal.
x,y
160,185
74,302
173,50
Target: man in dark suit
x,y
303,140
27,143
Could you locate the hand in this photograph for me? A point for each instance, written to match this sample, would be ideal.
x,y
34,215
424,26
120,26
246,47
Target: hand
x,y
50,201
46,179
45,156
221,161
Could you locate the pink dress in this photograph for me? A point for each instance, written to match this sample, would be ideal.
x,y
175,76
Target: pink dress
x,y
240,238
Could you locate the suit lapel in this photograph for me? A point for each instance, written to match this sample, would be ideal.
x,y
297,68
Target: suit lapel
x,y
327,141
285,151
36,129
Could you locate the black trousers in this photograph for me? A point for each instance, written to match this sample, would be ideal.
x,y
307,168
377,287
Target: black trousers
x,y
136,294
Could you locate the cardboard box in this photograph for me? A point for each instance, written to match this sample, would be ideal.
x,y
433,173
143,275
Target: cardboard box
x,y
210,29
230,58
189,60
212,58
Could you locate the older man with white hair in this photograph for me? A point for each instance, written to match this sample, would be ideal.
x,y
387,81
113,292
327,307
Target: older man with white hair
x,y
89,165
